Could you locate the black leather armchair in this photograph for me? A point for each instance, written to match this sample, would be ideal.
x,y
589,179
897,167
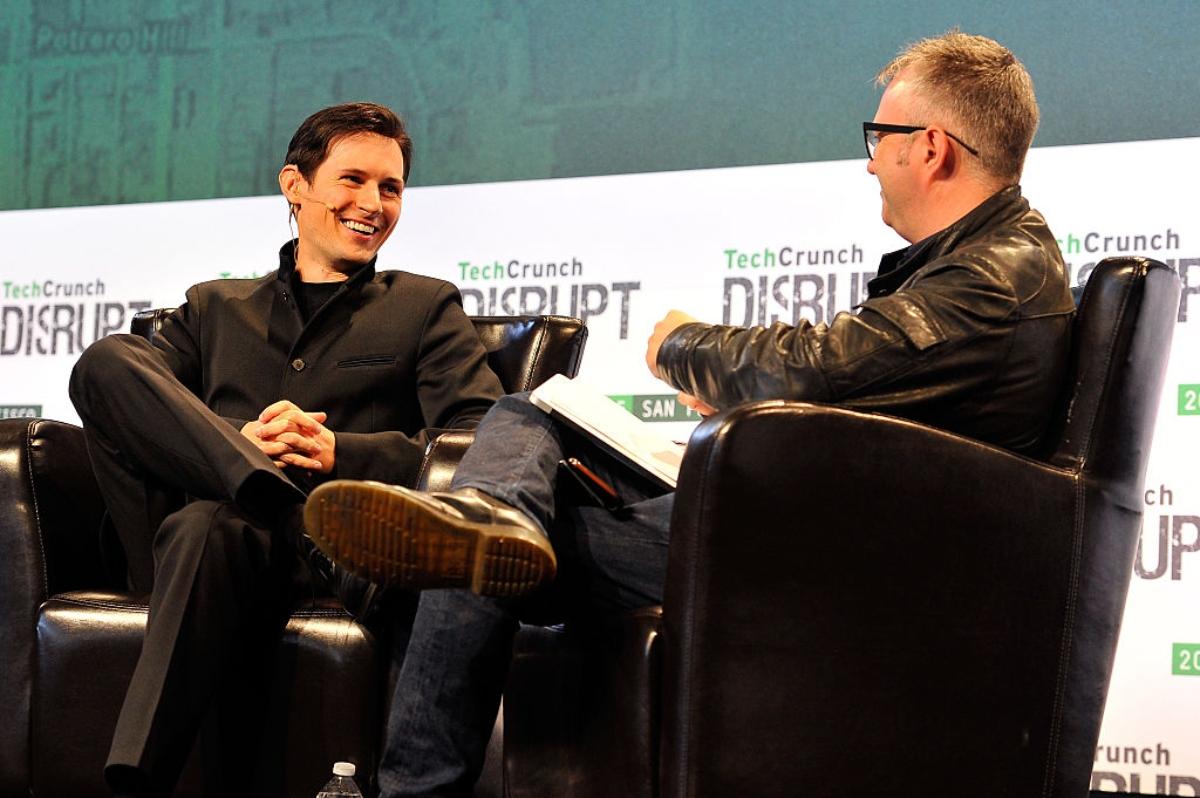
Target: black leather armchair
x,y
861,605
72,633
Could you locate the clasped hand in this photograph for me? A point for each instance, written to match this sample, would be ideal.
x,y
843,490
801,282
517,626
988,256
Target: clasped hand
x,y
293,437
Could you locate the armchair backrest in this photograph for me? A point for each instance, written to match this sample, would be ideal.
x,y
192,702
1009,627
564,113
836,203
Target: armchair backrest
x,y
147,323
524,351
1125,318
1122,335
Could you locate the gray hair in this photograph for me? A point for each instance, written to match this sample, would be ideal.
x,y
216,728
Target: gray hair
x,y
977,85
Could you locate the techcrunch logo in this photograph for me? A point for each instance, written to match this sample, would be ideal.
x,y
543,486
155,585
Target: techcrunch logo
x,y
768,258
497,295
20,411
50,289
1133,244
42,321
516,270
790,297
656,407
1131,779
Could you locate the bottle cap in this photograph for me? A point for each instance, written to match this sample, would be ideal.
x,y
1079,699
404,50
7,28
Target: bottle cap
x,y
343,768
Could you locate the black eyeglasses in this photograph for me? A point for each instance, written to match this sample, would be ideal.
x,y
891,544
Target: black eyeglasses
x,y
874,131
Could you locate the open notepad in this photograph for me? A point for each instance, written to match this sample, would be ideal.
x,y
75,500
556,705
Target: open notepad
x,y
627,437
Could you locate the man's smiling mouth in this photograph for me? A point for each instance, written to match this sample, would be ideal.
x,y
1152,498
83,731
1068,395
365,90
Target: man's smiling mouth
x,y
359,227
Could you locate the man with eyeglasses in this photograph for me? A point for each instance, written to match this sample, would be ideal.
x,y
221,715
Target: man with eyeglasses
x,y
966,329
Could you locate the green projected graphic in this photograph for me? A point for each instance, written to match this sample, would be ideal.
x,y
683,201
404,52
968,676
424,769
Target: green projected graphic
x,y
109,101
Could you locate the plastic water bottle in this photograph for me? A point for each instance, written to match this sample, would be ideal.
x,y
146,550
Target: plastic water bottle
x,y
342,784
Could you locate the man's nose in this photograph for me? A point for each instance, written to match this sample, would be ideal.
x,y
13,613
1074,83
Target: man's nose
x,y
368,198
871,166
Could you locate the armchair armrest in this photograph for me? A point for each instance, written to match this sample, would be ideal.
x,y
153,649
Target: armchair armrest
x,y
442,457
54,509
875,597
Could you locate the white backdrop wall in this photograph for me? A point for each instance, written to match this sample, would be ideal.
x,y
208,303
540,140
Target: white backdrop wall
x,y
741,245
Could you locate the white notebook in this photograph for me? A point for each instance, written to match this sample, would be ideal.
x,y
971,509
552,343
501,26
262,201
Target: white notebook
x,y
626,436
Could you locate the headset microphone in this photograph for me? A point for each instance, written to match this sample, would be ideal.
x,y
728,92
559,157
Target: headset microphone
x,y
322,203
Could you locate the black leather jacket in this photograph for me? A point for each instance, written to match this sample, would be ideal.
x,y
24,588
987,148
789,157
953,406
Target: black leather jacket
x,y
967,330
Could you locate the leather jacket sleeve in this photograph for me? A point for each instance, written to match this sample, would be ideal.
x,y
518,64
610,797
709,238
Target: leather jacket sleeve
x,y
944,332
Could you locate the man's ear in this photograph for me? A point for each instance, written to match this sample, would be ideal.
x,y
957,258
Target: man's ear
x,y
290,180
937,153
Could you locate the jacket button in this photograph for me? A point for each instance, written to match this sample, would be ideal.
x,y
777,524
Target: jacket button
x,y
298,364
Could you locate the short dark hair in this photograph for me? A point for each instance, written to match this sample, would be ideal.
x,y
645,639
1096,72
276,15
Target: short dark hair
x,y
310,145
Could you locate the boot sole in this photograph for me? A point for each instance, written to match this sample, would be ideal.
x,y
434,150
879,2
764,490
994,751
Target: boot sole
x,y
396,540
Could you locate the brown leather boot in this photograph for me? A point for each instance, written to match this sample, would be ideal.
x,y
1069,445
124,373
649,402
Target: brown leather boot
x,y
398,537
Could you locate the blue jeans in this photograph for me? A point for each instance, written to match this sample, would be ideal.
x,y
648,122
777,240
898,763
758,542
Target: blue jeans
x,y
454,669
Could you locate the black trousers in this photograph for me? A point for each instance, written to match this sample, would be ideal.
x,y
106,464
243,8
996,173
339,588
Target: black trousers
x,y
222,569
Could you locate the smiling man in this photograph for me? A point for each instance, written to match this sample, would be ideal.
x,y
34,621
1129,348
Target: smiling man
x,y
354,198
252,393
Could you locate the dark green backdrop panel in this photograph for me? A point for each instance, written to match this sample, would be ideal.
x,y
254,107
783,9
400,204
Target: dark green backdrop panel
x,y
106,101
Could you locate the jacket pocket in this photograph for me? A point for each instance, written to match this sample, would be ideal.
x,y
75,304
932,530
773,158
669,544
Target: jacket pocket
x,y
367,360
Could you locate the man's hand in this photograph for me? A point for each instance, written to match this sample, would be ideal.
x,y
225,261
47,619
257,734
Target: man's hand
x,y
673,319
293,437
701,407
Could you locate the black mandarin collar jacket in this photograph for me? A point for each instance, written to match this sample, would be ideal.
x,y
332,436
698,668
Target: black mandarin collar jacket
x,y
391,357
